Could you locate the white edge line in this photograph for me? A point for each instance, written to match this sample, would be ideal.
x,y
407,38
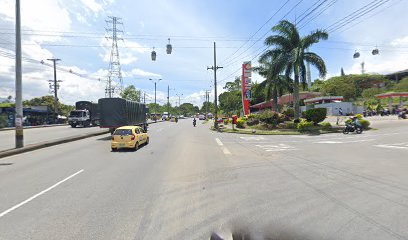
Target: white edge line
x,y
219,142
38,194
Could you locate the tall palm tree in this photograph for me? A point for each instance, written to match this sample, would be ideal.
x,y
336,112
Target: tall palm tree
x,y
274,84
290,53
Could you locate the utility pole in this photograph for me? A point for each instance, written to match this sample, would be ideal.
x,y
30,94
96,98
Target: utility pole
x,y
168,99
144,97
55,86
19,135
215,68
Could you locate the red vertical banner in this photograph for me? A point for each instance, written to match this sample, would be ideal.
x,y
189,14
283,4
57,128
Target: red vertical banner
x,y
246,86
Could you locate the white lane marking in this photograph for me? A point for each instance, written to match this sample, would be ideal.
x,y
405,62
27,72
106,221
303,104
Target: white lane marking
x,y
252,138
219,142
224,149
276,148
38,194
394,146
332,142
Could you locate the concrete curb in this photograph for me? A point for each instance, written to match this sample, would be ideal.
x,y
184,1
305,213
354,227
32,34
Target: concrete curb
x,y
45,144
29,127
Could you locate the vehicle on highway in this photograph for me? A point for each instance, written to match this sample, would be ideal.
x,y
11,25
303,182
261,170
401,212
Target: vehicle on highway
x,y
353,126
86,114
118,112
131,137
201,117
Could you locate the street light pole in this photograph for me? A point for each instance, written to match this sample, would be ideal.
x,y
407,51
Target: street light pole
x,y
19,135
215,68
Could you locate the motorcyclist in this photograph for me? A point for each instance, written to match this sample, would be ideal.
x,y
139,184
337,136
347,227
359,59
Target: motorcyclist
x,y
194,122
355,121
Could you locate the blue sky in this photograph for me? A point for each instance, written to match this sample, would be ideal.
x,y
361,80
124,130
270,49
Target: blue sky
x,y
74,30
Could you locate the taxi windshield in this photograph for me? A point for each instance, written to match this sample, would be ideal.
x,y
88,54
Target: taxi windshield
x,y
123,132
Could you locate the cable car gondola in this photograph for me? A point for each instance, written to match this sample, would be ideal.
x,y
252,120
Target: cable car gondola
x,y
356,54
153,55
375,51
169,48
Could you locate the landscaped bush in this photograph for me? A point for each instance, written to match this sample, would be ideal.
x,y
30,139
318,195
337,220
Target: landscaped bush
x,y
226,121
359,116
240,123
3,121
325,126
315,115
271,117
289,112
365,123
291,125
305,125
252,121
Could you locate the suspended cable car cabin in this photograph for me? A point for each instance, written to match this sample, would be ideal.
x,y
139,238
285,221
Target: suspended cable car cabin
x,y
356,55
169,48
153,55
375,51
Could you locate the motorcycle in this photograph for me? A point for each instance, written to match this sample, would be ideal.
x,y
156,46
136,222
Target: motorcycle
x,y
194,123
402,115
352,128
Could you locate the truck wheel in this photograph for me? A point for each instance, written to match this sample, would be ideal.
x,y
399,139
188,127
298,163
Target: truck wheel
x,y
87,123
73,125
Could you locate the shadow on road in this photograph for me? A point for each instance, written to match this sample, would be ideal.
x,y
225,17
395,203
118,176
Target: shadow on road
x,y
107,138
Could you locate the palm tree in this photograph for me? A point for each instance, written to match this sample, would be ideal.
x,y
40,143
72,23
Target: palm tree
x,y
290,53
274,84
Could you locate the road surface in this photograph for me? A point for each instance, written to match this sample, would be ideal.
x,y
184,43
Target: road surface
x,y
189,182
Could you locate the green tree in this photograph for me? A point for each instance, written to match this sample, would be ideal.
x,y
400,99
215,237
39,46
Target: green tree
x,y
233,86
290,53
370,92
210,107
187,109
230,102
402,86
48,101
275,84
131,93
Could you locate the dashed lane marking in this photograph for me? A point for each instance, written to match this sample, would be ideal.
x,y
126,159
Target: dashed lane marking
x,y
224,149
2,214
277,147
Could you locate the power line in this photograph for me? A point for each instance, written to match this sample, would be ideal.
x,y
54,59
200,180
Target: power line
x,y
277,11
318,14
356,15
312,11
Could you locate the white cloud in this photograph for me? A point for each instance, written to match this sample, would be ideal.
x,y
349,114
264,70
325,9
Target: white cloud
x,y
92,5
140,73
400,41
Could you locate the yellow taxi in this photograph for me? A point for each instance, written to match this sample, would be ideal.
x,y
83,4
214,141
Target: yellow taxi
x,y
129,137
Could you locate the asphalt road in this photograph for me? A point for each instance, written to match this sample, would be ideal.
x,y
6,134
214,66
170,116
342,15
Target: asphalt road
x,y
38,135
189,182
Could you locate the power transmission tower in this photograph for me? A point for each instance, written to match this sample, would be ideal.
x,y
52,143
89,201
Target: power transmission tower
x,y
54,86
114,64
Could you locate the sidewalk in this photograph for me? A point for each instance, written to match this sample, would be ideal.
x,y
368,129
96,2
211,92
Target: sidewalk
x,y
29,127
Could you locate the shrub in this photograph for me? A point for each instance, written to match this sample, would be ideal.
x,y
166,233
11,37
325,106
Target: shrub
x,y
3,121
226,121
240,123
305,125
289,112
291,125
359,116
325,126
270,117
315,115
252,121
364,123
